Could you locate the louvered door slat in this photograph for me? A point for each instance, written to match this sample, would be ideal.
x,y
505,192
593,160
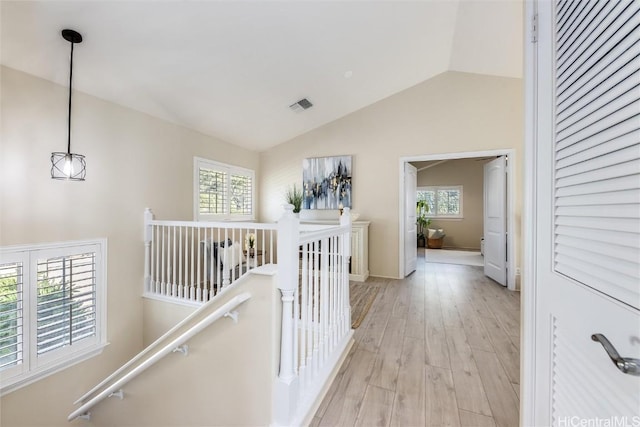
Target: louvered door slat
x,y
624,72
586,231
596,47
609,212
610,282
591,148
619,170
597,148
586,247
569,40
604,186
565,18
613,100
625,225
585,200
603,161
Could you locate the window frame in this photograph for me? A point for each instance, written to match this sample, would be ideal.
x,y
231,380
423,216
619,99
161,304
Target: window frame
x,y
198,163
33,367
436,188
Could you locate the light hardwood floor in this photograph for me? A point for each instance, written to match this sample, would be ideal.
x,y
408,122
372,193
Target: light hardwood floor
x,y
439,348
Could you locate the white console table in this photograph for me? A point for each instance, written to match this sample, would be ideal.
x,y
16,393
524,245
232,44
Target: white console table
x,y
359,248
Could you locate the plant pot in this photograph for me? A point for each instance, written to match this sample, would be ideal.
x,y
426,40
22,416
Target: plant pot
x,y
421,242
435,243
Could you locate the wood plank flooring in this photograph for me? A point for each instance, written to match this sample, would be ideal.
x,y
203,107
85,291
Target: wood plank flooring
x,y
439,348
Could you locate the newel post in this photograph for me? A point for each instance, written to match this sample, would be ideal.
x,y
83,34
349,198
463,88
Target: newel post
x,y
148,238
287,382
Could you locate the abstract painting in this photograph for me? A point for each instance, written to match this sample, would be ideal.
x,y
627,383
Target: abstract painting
x,y
326,182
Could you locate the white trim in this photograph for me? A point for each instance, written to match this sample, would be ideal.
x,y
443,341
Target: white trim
x,y
511,217
528,276
34,368
230,169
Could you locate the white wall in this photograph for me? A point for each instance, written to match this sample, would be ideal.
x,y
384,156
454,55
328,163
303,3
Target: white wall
x,y
453,112
133,161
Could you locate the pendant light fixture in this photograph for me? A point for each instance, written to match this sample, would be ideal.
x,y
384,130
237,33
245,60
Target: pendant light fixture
x,y
69,166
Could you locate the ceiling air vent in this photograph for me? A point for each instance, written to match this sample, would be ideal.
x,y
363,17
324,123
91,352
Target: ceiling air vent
x,y
303,104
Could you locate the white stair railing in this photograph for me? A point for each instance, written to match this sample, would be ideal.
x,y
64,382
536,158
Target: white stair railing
x,y
191,262
160,348
313,276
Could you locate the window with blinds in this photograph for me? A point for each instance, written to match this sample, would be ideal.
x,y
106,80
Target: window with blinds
x,y
52,305
597,146
443,202
212,192
66,301
11,298
223,191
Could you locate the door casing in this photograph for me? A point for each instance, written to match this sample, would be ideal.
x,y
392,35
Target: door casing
x,y
511,252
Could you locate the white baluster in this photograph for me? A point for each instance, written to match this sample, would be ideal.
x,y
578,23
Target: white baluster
x,y
324,300
345,221
148,238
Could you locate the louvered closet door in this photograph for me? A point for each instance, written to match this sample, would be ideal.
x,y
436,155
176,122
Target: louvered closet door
x,y
597,146
587,215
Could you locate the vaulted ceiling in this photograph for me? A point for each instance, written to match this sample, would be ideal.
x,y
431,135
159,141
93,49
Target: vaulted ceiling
x,y
230,69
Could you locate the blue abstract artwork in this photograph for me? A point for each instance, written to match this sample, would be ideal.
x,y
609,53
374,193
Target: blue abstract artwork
x,y
326,182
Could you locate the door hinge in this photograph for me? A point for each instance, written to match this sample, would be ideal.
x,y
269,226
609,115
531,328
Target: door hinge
x,y
534,28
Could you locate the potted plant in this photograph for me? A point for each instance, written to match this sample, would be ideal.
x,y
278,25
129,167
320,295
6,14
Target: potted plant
x,y
294,197
422,208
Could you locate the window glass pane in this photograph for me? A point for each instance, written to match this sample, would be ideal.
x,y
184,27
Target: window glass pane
x,y
448,202
241,202
453,202
213,189
66,302
11,281
441,201
428,196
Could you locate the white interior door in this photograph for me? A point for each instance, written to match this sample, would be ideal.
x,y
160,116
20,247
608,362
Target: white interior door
x,y
495,220
410,238
586,215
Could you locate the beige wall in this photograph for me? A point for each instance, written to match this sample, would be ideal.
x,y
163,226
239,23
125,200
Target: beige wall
x,y
227,378
453,112
133,161
469,173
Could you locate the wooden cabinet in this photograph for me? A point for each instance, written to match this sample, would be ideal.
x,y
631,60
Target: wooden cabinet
x,y
359,251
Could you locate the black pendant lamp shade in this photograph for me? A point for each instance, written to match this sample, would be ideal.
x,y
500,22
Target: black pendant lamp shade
x,y
68,165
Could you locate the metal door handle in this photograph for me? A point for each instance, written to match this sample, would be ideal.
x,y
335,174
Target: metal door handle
x,y
626,364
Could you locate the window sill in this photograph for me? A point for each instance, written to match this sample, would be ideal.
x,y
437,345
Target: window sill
x,y
25,379
447,218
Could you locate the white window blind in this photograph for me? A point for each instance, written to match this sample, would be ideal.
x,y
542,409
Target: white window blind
x,y
212,191
223,191
52,308
442,201
11,314
597,146
66,301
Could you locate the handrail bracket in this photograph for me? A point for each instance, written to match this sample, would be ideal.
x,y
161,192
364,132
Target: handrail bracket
x,y
184,349
119,393
233,315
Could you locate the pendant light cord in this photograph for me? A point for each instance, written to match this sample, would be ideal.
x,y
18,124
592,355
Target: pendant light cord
x,y
69,121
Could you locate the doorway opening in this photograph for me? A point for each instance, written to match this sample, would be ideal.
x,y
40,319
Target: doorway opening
x,y
507,244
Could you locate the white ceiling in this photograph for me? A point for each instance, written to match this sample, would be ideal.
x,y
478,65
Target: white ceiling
x,y
231,69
